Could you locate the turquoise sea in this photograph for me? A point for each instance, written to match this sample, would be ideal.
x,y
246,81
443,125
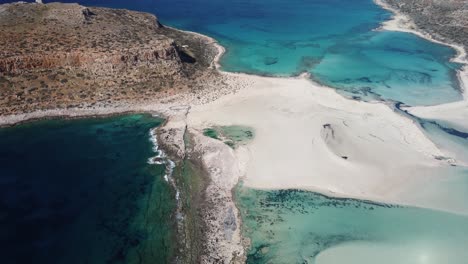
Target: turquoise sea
x,y
334,40
82,191
292,226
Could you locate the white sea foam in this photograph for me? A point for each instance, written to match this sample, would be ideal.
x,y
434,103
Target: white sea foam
x,y
161,159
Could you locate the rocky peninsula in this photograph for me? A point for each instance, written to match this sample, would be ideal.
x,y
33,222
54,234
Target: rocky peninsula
x,y
66,56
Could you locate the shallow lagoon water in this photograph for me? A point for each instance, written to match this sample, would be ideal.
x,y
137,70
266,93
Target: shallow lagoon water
x,y
292,226
82,191
232,136
446,137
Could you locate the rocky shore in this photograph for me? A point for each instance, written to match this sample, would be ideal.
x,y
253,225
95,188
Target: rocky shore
x,y
445,20
65,56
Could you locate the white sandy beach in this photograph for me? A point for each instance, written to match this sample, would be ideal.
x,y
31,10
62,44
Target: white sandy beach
x,y
310,137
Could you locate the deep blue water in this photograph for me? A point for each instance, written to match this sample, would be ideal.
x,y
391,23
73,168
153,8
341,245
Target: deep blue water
x,y
82,191
332,39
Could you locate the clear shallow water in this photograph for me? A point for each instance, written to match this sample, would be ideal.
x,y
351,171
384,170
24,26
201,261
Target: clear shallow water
x,y
232,136
81,191
332,39
290,226
446,137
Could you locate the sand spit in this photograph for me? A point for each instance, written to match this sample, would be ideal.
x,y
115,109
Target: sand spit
x,y
309,137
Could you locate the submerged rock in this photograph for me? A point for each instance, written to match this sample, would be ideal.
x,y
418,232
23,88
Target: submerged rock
x,y
270,60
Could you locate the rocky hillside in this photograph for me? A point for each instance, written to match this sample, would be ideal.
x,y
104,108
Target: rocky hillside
x,y
66,55
445,19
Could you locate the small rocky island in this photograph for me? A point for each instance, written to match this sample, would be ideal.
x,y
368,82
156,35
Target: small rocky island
x,y
61,56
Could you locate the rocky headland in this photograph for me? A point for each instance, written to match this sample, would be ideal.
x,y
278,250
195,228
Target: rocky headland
x,y
63,56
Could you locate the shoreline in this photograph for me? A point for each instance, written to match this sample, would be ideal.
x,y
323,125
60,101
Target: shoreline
x,y
78,113
244,87
452,114
221,50
17,120
164,109
333,195
455,113
459,58
376,200
149,107
216,114
402,23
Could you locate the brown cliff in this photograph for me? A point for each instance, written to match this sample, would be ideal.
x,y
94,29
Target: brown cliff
x,y
66,55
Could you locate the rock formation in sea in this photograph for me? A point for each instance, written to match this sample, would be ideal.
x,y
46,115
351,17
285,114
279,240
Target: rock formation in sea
x,y
444,19
59,56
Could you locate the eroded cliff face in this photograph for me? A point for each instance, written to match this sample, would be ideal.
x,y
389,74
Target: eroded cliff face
x,y
97,63
66,55
445,19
